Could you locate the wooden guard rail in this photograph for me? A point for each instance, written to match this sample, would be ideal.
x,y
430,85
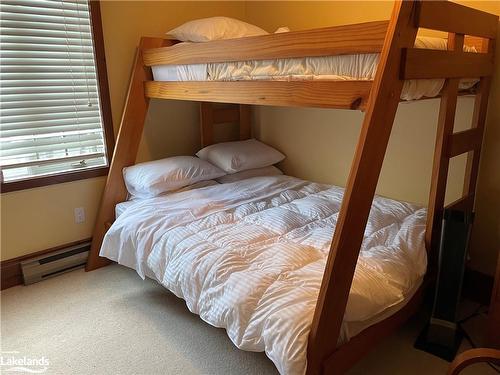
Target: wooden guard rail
x,y
365,37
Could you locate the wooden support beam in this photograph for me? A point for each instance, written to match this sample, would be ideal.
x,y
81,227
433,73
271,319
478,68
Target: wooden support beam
x,y
464,141
455,18
226,114
365,37
427,64
127,144
206,124
245,122
322,94
358,195
211,114
446,122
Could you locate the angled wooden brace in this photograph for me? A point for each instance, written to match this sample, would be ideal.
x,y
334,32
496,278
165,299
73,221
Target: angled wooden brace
x,y
127,145
358,196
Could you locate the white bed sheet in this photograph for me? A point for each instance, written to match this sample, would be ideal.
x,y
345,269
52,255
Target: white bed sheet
x,y
249,257
341,67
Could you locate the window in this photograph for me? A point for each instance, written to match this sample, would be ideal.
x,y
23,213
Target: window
x,y
52,92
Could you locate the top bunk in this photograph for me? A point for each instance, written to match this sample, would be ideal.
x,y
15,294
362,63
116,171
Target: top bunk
x,y
423,67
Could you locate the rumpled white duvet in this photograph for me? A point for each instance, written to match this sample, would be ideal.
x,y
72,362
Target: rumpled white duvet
x,y
249,257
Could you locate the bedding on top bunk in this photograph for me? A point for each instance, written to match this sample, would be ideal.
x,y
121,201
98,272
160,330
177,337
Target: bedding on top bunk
x,y
340,67
249,257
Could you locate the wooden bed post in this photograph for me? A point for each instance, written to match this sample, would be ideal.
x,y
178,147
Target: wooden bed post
x,y
127,144
381,110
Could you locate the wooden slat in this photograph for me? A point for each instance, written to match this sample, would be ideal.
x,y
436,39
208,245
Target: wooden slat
x,y
359,192
446,121
480,44
426,63
226,114
323,94
245,122
455,18
478,122
464,141
206,124
337,40
127,144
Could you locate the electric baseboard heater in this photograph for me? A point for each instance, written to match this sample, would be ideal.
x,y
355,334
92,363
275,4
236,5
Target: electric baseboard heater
x,y
55,263
442,336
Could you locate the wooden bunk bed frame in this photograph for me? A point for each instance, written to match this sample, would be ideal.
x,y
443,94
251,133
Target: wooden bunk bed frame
x,y
394,40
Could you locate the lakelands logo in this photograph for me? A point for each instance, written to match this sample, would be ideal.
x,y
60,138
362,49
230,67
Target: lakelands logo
x,y
15,362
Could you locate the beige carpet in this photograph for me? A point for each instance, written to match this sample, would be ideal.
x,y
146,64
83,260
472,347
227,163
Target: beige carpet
x,y
111,322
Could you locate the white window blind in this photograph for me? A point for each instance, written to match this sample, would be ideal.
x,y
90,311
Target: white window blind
x,y
50,118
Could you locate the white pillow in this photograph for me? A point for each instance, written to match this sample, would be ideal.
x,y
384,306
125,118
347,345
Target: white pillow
x,y
150,179
249,173
238,156
214,28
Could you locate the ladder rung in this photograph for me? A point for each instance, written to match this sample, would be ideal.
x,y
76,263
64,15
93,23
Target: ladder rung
x,y
466,203
427,63
464,141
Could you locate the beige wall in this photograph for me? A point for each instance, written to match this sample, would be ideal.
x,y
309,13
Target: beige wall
x,y
36,219
407,166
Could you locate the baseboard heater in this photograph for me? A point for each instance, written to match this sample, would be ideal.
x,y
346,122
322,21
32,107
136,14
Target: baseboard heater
x,y
55,263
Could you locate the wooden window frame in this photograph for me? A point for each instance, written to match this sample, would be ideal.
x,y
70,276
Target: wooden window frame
x,y
107,121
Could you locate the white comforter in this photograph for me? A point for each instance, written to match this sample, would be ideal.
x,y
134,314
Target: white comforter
x,y
249,257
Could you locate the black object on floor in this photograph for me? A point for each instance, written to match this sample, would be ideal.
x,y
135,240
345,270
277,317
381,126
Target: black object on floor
x,y
442,335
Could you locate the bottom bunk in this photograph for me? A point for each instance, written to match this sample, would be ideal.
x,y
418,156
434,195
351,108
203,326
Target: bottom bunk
x,y
249,256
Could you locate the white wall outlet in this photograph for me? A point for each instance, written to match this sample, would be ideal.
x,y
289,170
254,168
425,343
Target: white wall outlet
x,y
79,215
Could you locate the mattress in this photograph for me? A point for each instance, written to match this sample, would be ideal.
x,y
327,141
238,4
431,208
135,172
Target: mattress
x,y
249,257
340,67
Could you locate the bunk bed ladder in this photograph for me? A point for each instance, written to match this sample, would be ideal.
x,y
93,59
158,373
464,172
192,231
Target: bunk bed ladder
x,y
400,61
450,144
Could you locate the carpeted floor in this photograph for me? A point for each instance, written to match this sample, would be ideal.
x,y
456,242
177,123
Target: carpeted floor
x,y
111,322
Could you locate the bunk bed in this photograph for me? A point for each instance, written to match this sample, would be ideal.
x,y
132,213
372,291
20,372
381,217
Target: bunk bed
x,y
398,61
